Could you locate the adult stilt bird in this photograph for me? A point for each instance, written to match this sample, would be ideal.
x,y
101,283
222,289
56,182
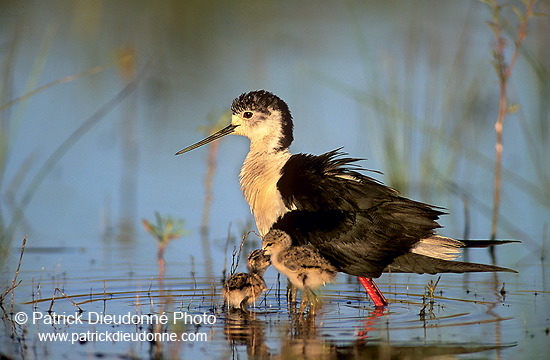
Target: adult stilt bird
x,y
359,225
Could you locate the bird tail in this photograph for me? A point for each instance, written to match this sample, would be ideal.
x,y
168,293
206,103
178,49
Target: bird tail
x,y
439,247
446,248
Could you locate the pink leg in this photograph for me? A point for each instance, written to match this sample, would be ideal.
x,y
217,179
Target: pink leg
x,y
373,291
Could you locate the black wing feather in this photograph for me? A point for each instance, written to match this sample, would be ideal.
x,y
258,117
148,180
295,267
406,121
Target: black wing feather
x,y
354,221
420,264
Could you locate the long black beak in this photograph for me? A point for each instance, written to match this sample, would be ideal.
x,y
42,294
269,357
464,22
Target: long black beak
x,y
215,136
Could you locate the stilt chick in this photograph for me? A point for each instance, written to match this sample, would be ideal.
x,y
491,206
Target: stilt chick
x,y
243,289
303,265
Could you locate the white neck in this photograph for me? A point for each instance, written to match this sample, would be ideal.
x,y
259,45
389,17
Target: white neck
x,y
259,175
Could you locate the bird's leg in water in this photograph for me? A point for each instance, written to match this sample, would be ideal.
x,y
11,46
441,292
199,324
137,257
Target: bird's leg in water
x,y
308,298
243,304
291,293
374,293
304,302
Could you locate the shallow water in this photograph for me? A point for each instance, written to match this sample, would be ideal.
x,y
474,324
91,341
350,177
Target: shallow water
x,y
470,316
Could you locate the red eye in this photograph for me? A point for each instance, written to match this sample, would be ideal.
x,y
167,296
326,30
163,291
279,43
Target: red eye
x,y
247,114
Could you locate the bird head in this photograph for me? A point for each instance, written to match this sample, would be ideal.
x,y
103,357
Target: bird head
x,y
262,117
276,241
258,261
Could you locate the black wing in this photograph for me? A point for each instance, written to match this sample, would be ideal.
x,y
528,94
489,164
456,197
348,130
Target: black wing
x,y
354,221
420,264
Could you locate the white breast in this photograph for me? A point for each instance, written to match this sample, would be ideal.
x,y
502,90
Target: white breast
x,y
258,178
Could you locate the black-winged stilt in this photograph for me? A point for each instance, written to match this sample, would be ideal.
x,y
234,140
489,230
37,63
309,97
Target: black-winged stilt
x,y
356,223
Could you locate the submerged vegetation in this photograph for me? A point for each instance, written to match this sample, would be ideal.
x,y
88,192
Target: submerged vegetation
x,y
165,228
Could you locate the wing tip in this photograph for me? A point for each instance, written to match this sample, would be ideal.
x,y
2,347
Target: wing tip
x,y
480,243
